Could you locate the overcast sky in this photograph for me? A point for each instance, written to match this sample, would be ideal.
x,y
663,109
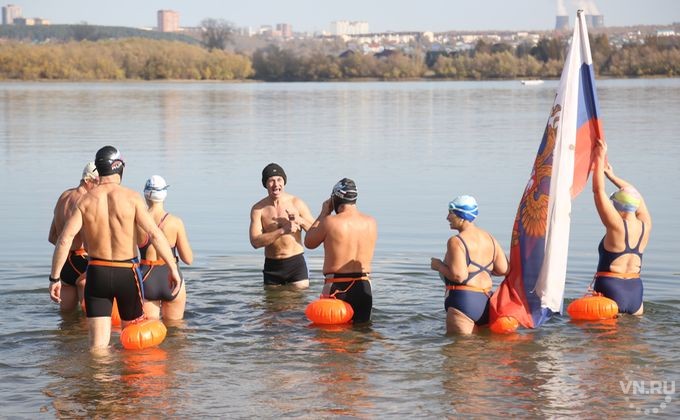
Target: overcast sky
x,y
381,15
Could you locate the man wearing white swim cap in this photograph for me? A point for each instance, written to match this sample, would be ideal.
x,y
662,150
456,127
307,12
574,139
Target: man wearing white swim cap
x,y
108,216
348,239
73,273
276,222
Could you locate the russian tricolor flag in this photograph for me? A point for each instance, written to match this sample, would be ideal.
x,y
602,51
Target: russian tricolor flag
x,y
533,290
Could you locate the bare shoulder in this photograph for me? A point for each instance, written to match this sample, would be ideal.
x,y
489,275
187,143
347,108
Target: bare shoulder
x,y
175,220
130,194
454,241
66,194
368,218
261,204
297,201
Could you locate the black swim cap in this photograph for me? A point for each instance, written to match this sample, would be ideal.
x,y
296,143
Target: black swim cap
x,y
109,161
344,192
271,170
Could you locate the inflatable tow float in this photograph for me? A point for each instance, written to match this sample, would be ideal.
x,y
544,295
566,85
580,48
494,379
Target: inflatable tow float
x,y
593,307
329,311
143,334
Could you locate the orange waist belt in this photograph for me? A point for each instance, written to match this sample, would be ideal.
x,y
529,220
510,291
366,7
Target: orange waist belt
x,y
152,262
345,279
106,263
80,252
617,275
467,288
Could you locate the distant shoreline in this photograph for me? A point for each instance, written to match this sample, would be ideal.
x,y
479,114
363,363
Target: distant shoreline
x,y
140,59
352,80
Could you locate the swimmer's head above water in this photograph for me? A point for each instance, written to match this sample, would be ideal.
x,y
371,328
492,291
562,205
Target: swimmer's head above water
x,y
344,192
626,199
271,170
156,189
464,207
109,161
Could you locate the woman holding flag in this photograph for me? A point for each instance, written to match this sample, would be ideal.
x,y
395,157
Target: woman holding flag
x,y
628,223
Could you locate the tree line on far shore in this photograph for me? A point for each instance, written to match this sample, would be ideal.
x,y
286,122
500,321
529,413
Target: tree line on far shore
x,y
153,59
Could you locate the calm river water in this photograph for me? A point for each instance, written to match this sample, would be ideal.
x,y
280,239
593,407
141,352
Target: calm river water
x,y
242,352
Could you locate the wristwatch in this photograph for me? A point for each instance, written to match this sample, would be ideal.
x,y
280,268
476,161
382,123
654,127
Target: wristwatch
x,y
53,280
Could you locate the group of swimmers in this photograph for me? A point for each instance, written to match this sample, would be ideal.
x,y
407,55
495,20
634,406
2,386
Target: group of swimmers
x,y
474,255
130,248
111,245
347,234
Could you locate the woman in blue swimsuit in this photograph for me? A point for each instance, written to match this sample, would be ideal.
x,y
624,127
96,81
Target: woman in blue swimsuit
x,y
628,223
158,297
472,257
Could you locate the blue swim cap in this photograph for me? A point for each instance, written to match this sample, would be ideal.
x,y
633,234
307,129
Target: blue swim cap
x,y
465,207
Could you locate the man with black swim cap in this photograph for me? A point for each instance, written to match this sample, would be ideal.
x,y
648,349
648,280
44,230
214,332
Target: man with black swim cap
x,y
109,161
107,217
348,238
73,273
276,222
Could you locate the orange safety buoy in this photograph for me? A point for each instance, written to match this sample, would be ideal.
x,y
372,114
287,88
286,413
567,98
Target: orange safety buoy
x,y
504,325
115,316
328,311
143,334
593,308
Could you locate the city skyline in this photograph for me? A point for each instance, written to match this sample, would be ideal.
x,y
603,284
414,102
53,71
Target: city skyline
x,y
381,15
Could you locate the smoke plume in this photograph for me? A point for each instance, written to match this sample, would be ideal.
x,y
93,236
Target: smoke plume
x,y
561,10
588,6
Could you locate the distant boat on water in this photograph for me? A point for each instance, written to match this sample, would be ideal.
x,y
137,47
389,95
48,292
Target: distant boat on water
x,y
531,82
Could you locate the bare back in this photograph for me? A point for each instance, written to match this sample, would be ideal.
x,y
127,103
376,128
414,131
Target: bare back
x,y
173,230
109,213
483,251
349,243
615,241
62,210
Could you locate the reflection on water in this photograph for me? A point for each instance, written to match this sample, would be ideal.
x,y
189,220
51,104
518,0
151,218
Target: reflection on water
x,y
244,352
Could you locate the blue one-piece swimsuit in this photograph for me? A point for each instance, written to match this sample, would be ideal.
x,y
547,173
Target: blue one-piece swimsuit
x,y
473,303
625,290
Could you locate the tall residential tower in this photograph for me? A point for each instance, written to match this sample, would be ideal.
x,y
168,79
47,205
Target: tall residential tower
x,y
168,21
9,13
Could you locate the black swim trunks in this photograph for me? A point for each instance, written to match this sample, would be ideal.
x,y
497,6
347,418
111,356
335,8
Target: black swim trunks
x,y
285,270
107,280
357,293
75,266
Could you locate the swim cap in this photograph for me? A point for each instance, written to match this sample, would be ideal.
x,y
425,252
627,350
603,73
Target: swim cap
x,y
344,192
271,170
465,207
109,161
89,172
626,199
156,189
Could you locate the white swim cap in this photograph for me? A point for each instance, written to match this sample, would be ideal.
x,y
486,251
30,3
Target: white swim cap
x,y
90,172
156,189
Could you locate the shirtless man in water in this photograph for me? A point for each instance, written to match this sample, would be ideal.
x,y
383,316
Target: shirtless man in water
x,y
348,238
276,223
107,216
73,273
